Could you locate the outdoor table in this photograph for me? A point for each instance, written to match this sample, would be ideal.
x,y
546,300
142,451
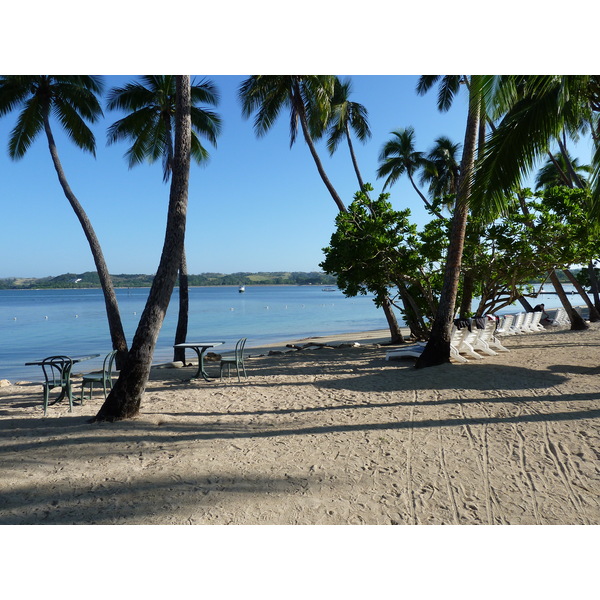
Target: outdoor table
x,y
199,348
74,359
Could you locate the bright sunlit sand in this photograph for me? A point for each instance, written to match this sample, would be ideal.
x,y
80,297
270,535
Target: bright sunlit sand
x,y
324,436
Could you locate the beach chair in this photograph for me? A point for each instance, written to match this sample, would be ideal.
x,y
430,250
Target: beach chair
x,y
237,359
104,377
484,341
466,341
536,322
504,325
515,328
415,350
57,374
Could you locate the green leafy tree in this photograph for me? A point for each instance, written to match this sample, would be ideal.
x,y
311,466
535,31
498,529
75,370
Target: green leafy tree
x,y
72,100
375,249
125,397
149,125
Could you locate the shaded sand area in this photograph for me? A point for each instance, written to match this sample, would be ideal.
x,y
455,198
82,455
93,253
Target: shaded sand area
x,y
324,436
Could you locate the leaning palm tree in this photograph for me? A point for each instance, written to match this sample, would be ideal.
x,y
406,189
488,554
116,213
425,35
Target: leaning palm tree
x,y
149,126
72,99
345,116
555,172
125,397
537,109
308,98
437,350
398,157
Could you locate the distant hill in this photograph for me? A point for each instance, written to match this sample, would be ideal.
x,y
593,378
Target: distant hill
x,y
90,280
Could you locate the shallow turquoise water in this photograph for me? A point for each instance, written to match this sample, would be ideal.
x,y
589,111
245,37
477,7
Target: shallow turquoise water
x,y
39,323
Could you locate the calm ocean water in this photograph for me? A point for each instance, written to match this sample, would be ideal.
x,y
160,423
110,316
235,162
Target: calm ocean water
x,y
39,323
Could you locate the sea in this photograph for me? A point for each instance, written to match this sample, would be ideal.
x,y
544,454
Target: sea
x,y
39,323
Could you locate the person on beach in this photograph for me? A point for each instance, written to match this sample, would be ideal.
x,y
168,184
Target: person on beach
x,y
545,317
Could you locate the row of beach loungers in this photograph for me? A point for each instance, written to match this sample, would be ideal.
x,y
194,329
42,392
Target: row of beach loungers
x,y
478,337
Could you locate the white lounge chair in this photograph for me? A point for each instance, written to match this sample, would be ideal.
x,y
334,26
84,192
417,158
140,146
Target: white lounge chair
x,y
504,325
526,324
535,322
517,323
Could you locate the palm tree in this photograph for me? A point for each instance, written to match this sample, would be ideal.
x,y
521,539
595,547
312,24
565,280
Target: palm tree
x,y
397,157
537,110
441,168
125,398
72,99
555,172
437,350
308,98
310,101
346,115
149,127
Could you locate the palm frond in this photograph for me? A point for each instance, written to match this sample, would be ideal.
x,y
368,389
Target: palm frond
x,y
29,123
74,126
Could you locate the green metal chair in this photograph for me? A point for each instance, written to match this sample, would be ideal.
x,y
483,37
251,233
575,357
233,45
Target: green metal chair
x,y
237,359
104,377
57,373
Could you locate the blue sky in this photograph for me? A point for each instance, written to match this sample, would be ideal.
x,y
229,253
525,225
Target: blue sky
x,y
257,205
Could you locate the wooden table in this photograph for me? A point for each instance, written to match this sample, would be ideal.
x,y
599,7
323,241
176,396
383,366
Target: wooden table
x,y
199,348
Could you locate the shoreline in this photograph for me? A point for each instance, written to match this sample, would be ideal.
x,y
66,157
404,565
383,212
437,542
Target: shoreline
x,y
324,436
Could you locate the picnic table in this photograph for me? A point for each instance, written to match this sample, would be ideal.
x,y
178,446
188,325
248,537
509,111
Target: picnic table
x,y
199,348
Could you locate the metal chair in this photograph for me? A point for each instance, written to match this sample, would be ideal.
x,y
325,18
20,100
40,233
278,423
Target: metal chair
x,y
104,377
237,359
57,373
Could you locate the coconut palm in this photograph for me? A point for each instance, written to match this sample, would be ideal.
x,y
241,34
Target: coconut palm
x,y
437,350
72,100
398,157
536,110
345,116
125,397
308,98
149,126
441,168
555,172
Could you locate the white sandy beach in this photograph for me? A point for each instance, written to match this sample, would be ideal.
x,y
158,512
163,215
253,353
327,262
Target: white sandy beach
x,y
324,436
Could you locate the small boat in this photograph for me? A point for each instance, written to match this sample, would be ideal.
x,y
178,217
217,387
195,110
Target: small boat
x,y
328,289
242,289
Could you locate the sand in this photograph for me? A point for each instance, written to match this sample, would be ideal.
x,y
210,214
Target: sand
x,y
324,436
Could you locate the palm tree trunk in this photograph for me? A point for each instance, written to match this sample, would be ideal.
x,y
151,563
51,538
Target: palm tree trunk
x,y
577,323
437,350
115,325
395,333
594,285
427,203
572,173
184,305
125,398
594,316
467,295
354,161
311,146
